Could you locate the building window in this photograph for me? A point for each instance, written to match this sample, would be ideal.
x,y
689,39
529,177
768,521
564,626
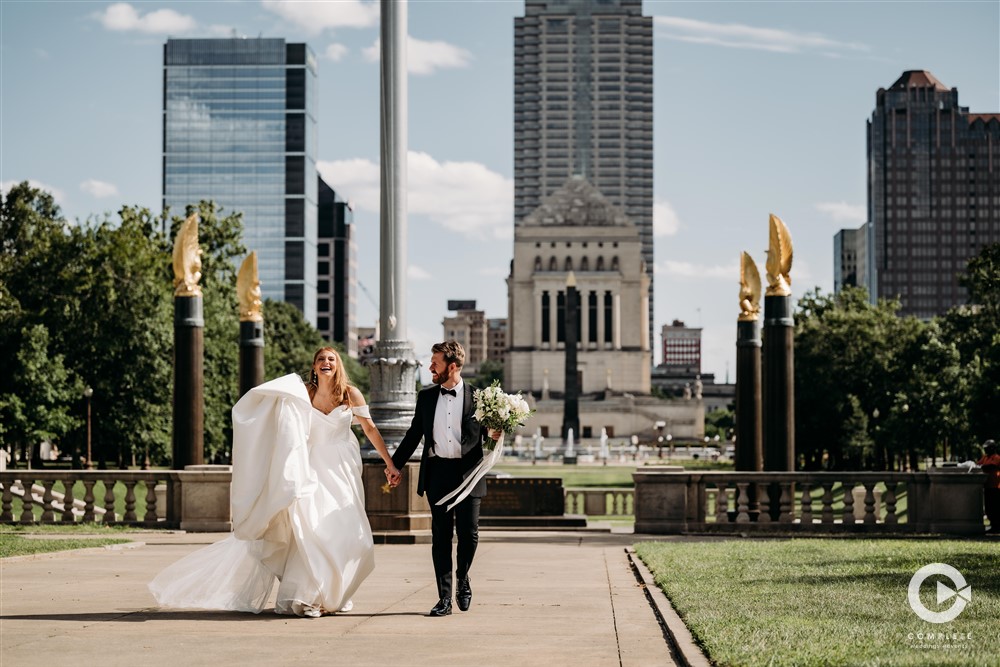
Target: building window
x,y
546,310
592,317
585,264
569,264
607,317
614,263
600,263
538,264
560,317
553,265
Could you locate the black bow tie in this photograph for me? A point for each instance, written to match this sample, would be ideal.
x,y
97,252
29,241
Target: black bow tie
x,y
448,391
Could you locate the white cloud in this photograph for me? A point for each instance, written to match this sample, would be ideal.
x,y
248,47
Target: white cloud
x,y
99,189
464,197
314,17
414,272
841,211
738,36
425,57
122,16
335,52
665,219
56,193
690,270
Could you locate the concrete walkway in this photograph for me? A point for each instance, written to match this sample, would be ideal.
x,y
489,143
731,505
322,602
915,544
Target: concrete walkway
x,y
540,598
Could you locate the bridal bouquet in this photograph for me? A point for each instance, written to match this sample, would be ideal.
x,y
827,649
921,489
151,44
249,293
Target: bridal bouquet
x,y
500,411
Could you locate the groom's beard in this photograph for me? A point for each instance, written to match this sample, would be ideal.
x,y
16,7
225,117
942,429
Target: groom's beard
x,y
439,378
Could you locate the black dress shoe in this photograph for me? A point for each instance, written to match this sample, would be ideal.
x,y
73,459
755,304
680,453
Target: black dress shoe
x,y
442,608
463,595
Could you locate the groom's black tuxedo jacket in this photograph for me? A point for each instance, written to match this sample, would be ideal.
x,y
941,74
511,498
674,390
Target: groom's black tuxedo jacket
x,y
422,427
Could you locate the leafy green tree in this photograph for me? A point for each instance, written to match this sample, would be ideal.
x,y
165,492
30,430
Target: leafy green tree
x,y
975,330
720,423
290,343
122,325
847,370
44,392
489,371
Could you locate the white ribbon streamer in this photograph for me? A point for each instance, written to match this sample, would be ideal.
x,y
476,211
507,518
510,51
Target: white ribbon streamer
x,y
465,488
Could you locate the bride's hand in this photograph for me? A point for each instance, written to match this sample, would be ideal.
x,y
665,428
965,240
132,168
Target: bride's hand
x,y
393,475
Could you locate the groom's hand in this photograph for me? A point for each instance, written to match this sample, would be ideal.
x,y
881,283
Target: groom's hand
x,y
394,477
494,434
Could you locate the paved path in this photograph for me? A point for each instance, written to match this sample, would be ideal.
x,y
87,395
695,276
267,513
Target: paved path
x,y
540,598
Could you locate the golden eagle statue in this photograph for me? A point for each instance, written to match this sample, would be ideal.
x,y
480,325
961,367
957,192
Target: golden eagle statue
x,y
187,259
749,289
248,290
779,259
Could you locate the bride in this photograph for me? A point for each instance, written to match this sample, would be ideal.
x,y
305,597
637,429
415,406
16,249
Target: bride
x,y
297,503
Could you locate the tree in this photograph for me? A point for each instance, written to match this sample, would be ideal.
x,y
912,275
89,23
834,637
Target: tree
x,y
489,371
290,343
44,390
847,370
975,331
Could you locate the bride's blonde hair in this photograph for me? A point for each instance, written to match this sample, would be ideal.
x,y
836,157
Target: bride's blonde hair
x,y
341,383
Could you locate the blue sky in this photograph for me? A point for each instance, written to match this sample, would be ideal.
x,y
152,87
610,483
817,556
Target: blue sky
x,y
760,107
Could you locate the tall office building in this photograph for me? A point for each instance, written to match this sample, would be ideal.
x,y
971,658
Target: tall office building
x,y
239,128
583,105
850,258
337,270
933,192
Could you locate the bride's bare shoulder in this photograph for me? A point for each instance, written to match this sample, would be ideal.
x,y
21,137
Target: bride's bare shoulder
x,y
357,398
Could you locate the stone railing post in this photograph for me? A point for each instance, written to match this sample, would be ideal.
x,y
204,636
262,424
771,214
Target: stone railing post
x,y
661,502
947,502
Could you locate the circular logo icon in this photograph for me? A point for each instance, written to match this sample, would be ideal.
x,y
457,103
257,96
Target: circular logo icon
x,y
962,593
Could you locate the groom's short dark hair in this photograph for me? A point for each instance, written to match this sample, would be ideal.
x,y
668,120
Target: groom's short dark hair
x,y
452,350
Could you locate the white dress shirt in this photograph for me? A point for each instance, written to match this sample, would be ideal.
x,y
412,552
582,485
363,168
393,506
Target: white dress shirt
x,y
448,423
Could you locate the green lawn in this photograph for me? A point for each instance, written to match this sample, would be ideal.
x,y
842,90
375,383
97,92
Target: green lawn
x,y
828,601
20,545
598,475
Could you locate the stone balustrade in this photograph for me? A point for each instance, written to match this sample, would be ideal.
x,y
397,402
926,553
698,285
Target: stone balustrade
x,y
155,487
600,501
194,499
682,502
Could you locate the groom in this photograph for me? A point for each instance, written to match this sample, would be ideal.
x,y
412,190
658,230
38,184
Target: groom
x,y
453,446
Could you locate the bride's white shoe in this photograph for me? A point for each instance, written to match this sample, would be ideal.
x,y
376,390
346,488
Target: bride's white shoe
x,y
349,605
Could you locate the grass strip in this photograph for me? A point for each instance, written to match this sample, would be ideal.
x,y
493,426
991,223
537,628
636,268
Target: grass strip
x,y
828,601
19,545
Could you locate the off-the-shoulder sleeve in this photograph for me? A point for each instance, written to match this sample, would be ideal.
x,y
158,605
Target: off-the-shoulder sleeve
x,y
360,411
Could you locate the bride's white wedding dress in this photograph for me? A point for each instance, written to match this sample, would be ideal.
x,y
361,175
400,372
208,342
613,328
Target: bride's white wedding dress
x,y
298,513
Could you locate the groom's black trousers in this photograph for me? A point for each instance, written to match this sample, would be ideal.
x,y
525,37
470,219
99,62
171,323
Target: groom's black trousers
x,y
442,477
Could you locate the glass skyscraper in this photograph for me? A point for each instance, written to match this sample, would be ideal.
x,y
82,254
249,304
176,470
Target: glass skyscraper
x,y
239,128
583,105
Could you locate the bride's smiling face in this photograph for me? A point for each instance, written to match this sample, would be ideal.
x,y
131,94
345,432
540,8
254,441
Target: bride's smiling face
x,y
325,364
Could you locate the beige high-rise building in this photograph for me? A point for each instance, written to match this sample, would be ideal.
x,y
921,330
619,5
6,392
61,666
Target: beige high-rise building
x,y
577,230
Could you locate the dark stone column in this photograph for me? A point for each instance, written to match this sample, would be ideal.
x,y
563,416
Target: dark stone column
x,y
189,382
251,355
571,402
779,384
749,431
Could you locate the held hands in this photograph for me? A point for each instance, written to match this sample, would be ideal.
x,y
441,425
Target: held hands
x,y
495,434
393,476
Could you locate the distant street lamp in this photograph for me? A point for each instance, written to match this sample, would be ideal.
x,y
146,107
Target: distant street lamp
x,y
670,444
87,393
